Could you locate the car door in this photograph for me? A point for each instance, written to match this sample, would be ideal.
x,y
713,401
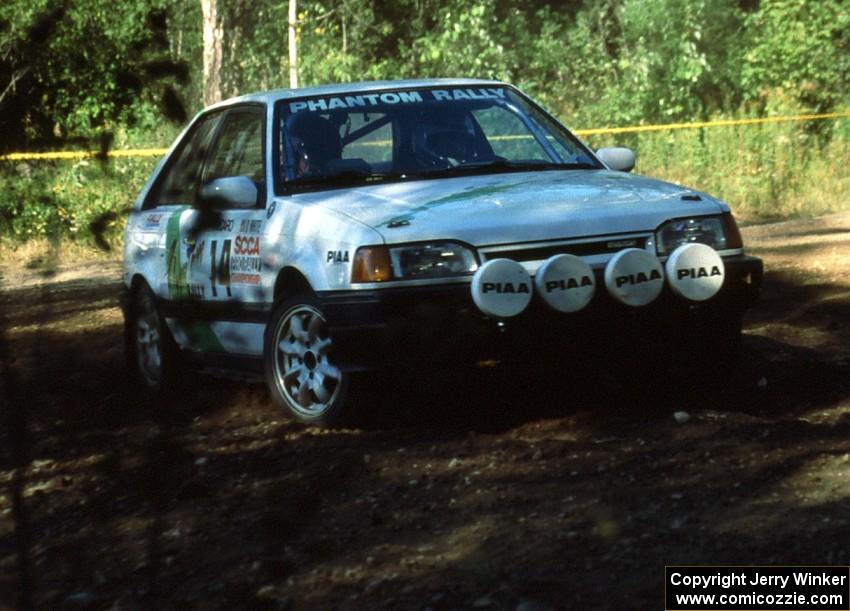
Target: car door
x,y
167,208
222,240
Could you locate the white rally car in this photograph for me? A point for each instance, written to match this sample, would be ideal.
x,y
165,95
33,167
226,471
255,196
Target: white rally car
x,y
310,234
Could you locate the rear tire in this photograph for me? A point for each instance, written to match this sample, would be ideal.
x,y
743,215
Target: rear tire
x,y
301,374
152,356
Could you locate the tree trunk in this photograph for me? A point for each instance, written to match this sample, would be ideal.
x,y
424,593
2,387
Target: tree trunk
x,y
213,32
293,46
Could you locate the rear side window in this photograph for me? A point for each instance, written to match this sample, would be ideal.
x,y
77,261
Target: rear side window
x,y
179,182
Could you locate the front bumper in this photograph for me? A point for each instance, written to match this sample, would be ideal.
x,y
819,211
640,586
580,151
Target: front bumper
x,y
441,324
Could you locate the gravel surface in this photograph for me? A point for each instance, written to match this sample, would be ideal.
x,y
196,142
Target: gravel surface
x,y
510,490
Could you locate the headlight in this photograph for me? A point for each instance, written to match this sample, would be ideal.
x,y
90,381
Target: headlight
x,y
412,262
719,232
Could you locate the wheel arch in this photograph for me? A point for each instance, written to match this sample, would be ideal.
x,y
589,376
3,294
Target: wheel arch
x,y
137,282
289,282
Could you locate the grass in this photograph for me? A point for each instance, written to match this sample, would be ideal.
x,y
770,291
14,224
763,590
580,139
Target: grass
x,y
770,171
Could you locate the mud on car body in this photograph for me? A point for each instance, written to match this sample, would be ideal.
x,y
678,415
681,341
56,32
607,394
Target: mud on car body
x,y
310,234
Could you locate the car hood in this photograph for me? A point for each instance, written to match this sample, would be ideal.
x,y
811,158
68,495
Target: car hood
x,y
516,207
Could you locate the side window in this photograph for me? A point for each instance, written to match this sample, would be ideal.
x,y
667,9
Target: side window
x,y
238,150
180,180
508,135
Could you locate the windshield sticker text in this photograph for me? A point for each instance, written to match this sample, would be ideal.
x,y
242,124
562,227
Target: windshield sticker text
x,y
398,97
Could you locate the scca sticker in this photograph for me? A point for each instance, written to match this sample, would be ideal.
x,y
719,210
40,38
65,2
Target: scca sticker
x,y
246,245
245,263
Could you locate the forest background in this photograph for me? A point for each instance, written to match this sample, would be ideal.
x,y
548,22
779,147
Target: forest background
x,y
96,74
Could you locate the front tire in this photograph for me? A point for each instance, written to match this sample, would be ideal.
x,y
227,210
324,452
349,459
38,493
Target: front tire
x,y
299,364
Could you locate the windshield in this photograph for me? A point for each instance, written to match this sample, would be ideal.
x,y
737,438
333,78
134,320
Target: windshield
x,y
419,133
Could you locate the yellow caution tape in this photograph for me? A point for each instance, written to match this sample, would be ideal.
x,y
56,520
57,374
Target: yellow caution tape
x,y
579,132
83,154
716,123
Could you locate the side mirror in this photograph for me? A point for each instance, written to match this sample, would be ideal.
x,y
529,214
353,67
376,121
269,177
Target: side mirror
x,y
230,192
617,158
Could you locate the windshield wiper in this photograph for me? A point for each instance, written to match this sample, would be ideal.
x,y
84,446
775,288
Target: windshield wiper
x,y
494,166
502,165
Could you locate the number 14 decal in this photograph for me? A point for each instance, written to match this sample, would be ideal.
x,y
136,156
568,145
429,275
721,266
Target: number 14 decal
x,y
220,275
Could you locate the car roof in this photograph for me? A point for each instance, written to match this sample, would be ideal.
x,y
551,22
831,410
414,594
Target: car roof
x,y
268,97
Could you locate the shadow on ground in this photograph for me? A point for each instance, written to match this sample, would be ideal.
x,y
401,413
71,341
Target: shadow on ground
x,y
491,487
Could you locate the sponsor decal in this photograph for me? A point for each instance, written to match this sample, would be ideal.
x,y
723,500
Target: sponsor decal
x,y
337,256
240,265
246,245
152,221
569,283
638,278
177,269
565,282
396,97
252,279
505,287
501,288
252,226
695,271
698,272
634,277
245,263
226,225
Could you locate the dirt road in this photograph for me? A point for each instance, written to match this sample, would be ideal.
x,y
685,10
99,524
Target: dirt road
x,y
495,493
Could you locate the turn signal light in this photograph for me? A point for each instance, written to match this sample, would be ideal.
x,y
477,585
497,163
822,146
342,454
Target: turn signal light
x,y
371,264
733,234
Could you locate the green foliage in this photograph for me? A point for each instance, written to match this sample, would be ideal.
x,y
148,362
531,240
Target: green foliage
x,y
466,42
800,48
762,171
90,73
83,69
64,199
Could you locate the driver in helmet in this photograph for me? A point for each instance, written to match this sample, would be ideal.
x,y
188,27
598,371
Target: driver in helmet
x,y
314,142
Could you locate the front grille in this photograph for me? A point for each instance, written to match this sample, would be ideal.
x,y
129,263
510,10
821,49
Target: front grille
x,y
581,249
